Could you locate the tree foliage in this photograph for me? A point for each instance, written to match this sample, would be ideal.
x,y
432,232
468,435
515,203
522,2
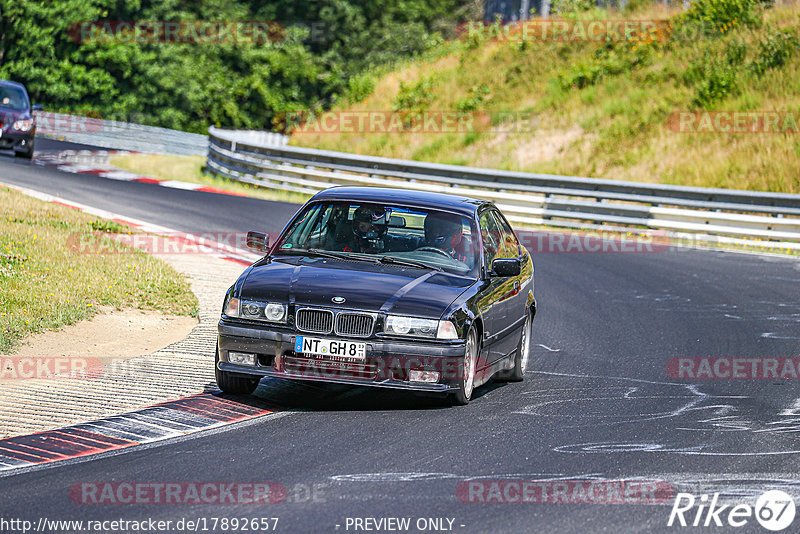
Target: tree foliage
x,y
323,55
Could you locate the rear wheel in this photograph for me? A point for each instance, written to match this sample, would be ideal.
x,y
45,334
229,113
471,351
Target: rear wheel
x,y
466,384
232,382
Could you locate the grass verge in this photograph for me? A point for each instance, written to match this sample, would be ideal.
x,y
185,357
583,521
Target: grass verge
x,y
190,169
45,284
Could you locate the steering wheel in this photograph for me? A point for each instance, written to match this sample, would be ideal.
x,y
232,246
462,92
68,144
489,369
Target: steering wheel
x,y
433,249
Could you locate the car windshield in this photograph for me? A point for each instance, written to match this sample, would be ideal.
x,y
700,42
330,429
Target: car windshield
x,y
13,98
413,237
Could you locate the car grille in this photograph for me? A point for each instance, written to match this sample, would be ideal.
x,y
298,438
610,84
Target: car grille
x,y
315,321
354,324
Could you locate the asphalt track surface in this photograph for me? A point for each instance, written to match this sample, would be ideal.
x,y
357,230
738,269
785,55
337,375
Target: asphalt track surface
x,y
597,402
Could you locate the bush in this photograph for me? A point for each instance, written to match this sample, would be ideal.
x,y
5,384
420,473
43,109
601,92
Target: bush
x,y
476,96
416,97
720,16
607,61
714,74
567,7
774,51
360,87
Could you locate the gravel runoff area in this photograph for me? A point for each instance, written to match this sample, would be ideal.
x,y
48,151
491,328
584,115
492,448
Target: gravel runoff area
x,y
178,370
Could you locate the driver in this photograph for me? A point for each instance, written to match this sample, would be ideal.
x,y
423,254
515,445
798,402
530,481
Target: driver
x,y
445,232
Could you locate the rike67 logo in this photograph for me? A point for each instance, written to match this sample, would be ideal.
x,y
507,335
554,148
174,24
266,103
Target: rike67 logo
x,y
774,510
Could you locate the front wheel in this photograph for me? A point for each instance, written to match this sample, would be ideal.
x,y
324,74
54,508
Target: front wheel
x,y
234,383
26,155
466,384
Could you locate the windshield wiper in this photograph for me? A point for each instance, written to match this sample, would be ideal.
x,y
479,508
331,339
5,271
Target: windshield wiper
x,y
329,254
409,263
345,255
310,252
359,257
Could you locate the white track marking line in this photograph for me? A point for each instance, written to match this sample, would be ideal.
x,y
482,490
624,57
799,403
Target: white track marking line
x,y
548,348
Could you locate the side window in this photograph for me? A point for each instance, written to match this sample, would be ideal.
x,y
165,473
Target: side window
x,y
510,244
492,238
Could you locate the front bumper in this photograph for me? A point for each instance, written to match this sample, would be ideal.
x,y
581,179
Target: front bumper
x,y
17,141
387,363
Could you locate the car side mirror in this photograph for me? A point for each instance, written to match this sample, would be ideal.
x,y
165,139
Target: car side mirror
x,y
505,267
36,107
258,241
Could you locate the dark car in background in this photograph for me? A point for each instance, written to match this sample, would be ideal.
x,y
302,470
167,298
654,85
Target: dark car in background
x,y
382,287
17,123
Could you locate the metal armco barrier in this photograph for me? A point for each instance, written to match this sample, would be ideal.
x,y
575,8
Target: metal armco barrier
x,y
525,198
118,135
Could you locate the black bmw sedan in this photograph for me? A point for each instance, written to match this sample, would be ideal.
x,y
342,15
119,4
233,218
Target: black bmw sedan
x,y
382,287
17,123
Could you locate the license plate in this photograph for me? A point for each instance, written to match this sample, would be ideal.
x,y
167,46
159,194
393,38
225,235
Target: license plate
x,y
330,347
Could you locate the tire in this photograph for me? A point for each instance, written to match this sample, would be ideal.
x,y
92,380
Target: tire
x,y
466,385
234,383
24,155
517,373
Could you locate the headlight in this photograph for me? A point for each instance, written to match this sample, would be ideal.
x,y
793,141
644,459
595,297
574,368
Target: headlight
x,y
263,311
412,326
275,312
23,125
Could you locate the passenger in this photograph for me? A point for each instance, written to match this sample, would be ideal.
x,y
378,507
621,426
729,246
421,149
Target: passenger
x,y
370,224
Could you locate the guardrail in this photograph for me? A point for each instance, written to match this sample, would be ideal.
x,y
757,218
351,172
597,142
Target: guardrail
x,y
525,198
118,135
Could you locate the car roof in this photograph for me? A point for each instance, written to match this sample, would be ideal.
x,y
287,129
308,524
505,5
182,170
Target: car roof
x,y
387,195
13,84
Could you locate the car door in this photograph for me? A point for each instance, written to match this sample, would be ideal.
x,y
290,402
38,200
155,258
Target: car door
x,y
491,302
514,302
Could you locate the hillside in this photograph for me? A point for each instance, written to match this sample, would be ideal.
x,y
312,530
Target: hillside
x,y
608,109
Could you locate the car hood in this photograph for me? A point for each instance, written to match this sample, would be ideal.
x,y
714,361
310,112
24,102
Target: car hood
x,y
364,286
10,115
